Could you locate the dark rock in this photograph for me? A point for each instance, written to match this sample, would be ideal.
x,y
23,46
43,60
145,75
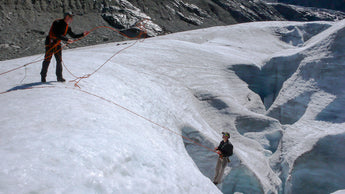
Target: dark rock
x,y
327,4
297,13
26,23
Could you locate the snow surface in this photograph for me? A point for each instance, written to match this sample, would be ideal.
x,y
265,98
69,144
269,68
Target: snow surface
x,y
277,87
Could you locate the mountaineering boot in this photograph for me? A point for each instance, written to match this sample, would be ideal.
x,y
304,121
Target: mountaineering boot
x,y
59,72
44,70
61,79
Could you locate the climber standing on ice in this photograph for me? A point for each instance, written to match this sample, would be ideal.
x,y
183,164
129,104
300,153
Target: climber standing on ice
x,y
225,149
58,32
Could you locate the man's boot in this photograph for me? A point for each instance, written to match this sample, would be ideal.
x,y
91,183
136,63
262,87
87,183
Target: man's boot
x,y
59,72
61,79
44,70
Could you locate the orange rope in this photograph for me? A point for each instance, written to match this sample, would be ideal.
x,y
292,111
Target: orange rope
x,y
142,31
122,107
35,61
78,79
149,120
139,25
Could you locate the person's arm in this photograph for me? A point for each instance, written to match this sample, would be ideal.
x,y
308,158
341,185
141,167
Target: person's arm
x,y
218,148
73,35
220,145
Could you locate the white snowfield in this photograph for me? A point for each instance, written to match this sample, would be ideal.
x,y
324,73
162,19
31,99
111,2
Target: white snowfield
x,y
277,87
